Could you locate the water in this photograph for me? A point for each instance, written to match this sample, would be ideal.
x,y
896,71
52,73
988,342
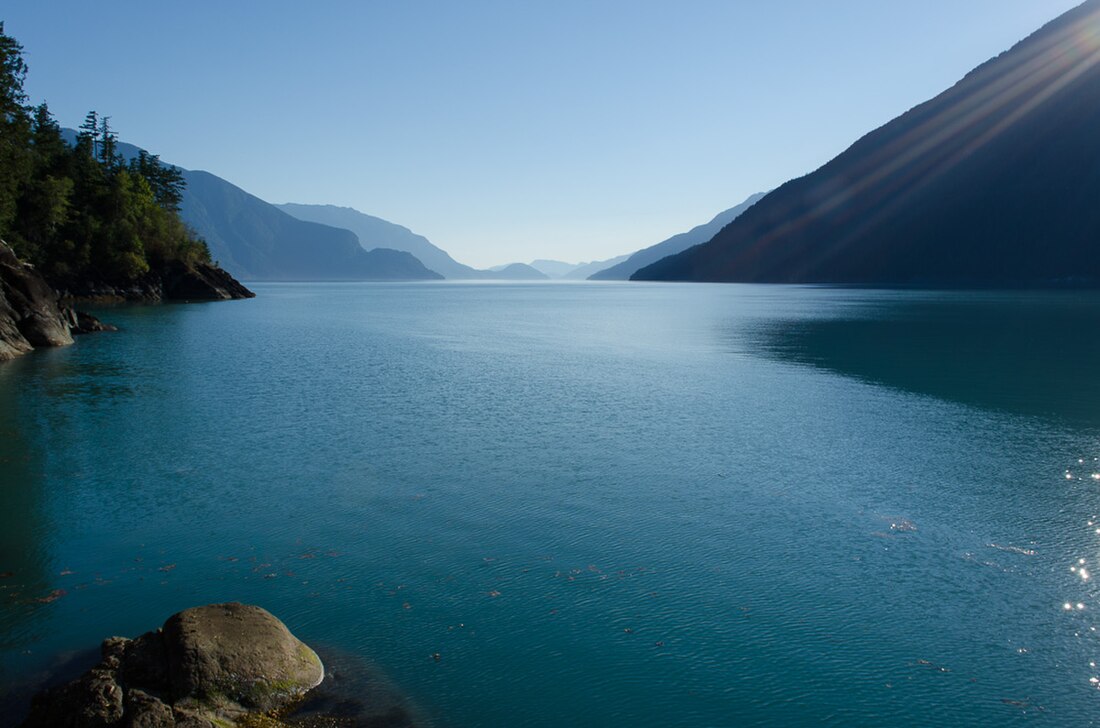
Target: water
x,y
600,504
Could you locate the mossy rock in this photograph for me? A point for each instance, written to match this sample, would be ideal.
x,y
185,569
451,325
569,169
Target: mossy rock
x,y
218,666
240,653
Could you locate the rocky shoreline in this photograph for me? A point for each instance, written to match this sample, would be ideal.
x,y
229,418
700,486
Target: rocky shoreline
x,y
217,666
175,282
35,314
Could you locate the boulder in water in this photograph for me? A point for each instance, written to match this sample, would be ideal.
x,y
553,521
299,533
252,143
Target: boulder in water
x,y
209,666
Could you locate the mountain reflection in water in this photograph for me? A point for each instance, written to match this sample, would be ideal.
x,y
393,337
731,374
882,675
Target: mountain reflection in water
x,y
1024,353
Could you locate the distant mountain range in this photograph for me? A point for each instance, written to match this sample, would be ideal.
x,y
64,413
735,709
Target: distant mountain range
x,y
585,270
993,183
553,268
560,269
676,244
374,232
257,241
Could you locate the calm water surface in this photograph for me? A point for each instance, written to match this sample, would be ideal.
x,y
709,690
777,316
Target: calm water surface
x,y
600,504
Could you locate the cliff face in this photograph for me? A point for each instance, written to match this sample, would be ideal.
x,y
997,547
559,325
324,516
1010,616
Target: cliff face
x,y
30,315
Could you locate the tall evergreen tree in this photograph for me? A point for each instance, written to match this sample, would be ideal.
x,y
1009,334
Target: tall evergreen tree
x,y
88,136
108,145
15,126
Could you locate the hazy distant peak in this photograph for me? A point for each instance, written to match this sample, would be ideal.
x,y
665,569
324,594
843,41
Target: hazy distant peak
x,y
676,244
553,268
516,271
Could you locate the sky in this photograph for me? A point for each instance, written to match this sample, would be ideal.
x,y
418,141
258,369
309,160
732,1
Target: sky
x,y
506,130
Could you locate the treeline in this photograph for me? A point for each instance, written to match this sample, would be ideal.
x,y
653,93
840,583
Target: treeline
x,y
82,212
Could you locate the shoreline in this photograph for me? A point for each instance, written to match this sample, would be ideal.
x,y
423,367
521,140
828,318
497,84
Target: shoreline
x,y
35,314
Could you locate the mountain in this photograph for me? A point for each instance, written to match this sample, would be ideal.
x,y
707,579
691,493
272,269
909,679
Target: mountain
x,y
993,183
572,271
515,272
374,232
586,270
256,241
557,269
553,268
675,244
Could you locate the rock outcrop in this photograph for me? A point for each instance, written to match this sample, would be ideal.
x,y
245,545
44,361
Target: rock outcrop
x,y
30,313
208,667
204,282
173,282
33,314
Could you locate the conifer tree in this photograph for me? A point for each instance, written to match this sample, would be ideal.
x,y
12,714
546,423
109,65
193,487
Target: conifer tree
x,y
166,181
108,145
14,128
88,135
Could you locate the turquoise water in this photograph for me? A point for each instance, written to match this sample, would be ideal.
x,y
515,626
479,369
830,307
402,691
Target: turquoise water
x,y
600,504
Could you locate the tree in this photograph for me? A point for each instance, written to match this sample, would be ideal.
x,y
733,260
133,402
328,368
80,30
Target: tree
x,y
87,138
166,181
13,71
108,145
48,144
43,205
15,128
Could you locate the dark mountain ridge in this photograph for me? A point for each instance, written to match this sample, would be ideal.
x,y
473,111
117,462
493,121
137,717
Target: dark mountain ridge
x,y
993,183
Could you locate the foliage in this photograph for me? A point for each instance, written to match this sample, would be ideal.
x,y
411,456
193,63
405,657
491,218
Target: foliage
x,y
82,212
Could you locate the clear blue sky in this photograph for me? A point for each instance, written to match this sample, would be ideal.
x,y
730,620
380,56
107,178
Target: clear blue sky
x,y
508,130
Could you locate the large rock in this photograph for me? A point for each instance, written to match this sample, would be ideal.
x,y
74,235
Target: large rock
x,y
218,665
204,282
239,652
30,313
12,341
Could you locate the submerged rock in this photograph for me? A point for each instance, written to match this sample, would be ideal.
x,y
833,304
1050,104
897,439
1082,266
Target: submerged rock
x,y
356,693
220,665
85,323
